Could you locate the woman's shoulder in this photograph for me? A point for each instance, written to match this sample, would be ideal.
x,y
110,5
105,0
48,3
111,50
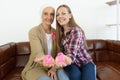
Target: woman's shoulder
x,y
76,29
34,29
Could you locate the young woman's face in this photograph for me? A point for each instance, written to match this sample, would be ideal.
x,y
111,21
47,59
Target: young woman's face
x,y
48,16
63,16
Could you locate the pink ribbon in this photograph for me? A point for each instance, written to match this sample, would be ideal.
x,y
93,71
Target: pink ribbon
x,y
53,35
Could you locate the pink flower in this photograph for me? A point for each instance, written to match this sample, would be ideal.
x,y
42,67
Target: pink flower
x,y
53,35
48,61
62,60
60,57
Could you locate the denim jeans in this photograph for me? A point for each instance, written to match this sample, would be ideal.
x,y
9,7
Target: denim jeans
x,y
60,74
44,78
86,72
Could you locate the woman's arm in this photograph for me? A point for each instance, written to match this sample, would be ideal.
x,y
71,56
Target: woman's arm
x,y
76,41
35,44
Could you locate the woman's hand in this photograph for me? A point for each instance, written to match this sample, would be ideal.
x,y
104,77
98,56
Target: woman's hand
x,y
62,60
68,60
52,74
39,60
46,61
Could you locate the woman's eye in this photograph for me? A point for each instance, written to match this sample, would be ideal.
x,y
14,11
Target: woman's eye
x,y
45,13
57,15
52,14
63,13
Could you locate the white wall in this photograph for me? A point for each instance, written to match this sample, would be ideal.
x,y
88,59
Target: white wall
x,y
18,16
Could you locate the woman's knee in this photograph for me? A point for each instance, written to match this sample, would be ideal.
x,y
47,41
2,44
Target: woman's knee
x,y
62,75
75,76
89,72
73,72
44,78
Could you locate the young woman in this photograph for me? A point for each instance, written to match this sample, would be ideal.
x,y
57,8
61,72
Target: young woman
x,y
71,39
42,42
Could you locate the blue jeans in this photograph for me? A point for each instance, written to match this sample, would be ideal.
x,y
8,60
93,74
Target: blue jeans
x,y
60,74
86,72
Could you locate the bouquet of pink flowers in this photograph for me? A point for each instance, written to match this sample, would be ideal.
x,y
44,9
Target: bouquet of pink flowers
x,y
61,60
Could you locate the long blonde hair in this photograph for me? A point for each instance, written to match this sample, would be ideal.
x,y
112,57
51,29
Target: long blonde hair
x,y
59,29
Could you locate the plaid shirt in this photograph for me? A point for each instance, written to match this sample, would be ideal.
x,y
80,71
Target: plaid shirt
x,y
73,46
